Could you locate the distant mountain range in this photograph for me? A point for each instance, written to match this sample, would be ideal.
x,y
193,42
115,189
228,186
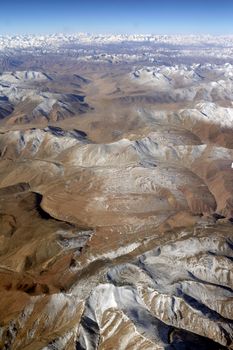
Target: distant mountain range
x,y
113,49
27,41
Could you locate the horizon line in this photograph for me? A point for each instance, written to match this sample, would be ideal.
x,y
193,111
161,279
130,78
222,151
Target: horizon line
x,y
115,34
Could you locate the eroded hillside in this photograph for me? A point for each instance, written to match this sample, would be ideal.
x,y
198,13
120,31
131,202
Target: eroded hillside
x,y
116,208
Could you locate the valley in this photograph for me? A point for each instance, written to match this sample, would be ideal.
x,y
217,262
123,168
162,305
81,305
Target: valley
x,y
116,202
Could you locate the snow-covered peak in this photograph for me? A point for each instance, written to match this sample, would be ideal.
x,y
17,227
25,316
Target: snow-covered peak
x,y
27,41
21,76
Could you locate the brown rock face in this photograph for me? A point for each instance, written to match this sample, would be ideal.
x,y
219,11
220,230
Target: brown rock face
x,y
116,210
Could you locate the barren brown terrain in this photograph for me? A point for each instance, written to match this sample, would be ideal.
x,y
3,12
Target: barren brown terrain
x,y
116,207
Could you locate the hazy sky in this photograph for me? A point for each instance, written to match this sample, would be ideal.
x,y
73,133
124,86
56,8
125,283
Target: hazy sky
x,y
116,16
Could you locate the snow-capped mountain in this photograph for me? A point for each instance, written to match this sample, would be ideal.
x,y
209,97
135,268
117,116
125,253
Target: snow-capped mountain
x,y
27,41
89,46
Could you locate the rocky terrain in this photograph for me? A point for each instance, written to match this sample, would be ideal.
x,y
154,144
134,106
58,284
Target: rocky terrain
x,y
59,51
116,205
30,95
